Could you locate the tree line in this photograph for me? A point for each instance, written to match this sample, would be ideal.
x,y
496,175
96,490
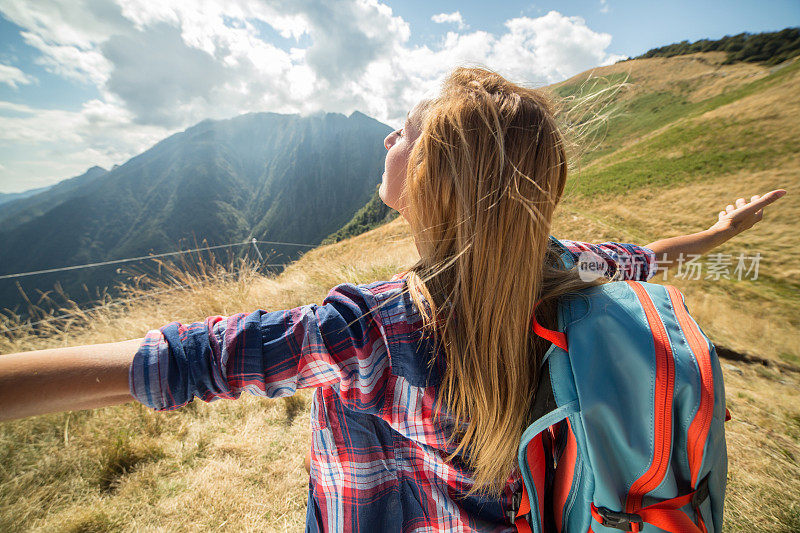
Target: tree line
x,y
768,48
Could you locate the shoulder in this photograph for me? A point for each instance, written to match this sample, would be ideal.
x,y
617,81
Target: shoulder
x,y
387,302
371,295
400,322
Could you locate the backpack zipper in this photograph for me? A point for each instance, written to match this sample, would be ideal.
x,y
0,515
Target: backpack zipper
x,y
664,388
573,495
698,429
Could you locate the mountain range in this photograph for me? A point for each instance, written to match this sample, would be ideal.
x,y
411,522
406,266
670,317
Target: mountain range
x,y
261,175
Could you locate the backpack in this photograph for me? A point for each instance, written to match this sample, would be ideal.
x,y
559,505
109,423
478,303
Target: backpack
x,y
628,418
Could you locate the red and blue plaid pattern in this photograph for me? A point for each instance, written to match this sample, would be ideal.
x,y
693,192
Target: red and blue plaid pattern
x,y
377,456
623,261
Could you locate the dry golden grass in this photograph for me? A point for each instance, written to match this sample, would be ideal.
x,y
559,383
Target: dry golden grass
x,y
763,449
237,465
773,110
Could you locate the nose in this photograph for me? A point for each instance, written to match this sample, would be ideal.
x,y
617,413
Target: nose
x,y
388,142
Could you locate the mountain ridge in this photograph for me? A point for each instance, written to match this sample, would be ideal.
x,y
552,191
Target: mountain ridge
x,y
264,175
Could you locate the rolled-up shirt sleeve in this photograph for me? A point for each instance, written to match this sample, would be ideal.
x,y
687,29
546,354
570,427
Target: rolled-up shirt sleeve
x,y
268,353
623,261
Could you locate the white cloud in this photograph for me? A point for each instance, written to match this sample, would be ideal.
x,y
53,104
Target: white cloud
x,y
553,45
162,66
67,33
604,6
450,18
52,144
70,61
14,77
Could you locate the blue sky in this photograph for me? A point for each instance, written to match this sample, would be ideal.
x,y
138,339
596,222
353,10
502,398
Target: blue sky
x,y
636,26
94,82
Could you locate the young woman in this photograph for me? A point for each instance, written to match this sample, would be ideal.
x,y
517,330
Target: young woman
x,y
424,381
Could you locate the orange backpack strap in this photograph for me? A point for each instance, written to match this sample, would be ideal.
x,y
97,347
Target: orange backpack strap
x,y
521,520
556,337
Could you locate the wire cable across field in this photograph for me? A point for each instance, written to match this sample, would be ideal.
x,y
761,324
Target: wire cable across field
x,y
154,256
139,258
101,306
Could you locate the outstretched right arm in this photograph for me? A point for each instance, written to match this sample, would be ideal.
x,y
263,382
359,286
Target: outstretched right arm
x,y
632,262
65,379
269,353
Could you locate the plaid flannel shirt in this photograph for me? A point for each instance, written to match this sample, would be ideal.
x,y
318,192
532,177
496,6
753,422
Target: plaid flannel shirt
x,y
377,456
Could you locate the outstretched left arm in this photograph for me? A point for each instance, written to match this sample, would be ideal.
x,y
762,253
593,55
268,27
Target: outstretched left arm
x,y
736,218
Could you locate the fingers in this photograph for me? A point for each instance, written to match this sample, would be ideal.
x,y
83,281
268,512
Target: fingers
x,y
722,214
759,203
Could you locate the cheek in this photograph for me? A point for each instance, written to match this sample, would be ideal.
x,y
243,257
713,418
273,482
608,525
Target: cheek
x,y
394,178
391,158
390,189
382,190
395,167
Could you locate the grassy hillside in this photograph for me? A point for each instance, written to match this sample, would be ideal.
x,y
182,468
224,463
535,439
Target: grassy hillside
x,y
690,135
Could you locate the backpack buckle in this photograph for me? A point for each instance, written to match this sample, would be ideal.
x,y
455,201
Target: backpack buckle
x,y
701,492
619,520
516,501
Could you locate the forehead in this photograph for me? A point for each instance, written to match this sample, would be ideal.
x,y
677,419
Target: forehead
x,y
415,116
407,123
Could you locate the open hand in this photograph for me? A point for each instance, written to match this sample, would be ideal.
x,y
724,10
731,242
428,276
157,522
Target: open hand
x,y
742,215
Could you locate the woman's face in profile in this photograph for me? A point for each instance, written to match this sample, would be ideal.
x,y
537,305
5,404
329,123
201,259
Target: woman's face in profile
x,y
399,144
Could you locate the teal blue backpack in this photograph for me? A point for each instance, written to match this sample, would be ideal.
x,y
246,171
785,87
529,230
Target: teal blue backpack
x,y
629,415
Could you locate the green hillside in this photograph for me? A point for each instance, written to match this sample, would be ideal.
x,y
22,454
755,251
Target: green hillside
x,y
688,135
672,119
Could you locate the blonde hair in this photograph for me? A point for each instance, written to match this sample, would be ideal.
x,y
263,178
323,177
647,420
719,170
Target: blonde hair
x,y
482,182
